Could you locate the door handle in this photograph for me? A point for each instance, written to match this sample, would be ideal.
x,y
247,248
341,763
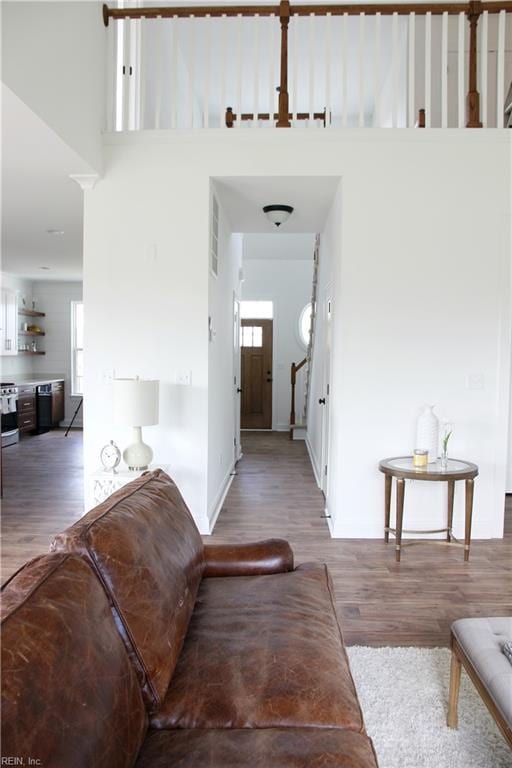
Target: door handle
x,y
321,401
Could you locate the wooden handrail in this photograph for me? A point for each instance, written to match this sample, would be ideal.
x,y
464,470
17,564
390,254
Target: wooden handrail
x,y
351,9
295,368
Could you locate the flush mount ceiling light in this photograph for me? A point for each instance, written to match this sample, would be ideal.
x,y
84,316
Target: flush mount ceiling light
x,y
54,231
277,214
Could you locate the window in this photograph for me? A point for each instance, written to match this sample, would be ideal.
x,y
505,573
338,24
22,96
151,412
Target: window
x,y
305,325
256,310
77,347
251,336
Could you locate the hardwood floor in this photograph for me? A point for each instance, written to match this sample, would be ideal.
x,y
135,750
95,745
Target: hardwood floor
x,y
43,494
274,494
379,602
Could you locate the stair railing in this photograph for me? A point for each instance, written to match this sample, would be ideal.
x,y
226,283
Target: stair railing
x,y
295,368
141,93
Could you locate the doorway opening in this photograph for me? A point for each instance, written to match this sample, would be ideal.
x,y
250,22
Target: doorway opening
x,y
262,306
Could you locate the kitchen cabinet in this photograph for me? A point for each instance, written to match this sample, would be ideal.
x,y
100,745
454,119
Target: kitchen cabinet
x,y
26,408
8,322
57,403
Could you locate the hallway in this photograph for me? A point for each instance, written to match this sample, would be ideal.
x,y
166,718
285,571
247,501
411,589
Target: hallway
x,y
379,602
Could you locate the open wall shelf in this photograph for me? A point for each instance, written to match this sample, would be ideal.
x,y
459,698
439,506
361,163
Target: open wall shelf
x,y
31,313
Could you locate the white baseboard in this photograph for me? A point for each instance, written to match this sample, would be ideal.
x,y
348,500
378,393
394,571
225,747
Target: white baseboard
x,y
314,463
329,521
219,499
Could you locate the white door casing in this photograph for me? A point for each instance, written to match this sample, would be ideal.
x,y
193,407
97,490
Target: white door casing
x,y
326,389
236,378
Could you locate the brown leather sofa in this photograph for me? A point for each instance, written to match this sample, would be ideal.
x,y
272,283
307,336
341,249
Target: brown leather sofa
x,y
132,644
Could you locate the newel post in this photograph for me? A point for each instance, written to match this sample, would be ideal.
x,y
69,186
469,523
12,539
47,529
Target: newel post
x,y
473,101
284,17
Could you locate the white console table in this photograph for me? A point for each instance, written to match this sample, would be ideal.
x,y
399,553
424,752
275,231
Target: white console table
x,y
103,483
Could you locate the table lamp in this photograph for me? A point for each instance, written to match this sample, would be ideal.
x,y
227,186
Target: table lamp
x,y
136,406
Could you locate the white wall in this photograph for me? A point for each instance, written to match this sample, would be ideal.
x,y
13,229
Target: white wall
x,y
54,298
422,298
221,386
53,58
146,309
288,284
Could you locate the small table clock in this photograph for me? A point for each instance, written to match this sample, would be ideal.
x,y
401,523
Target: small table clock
x,y
110,457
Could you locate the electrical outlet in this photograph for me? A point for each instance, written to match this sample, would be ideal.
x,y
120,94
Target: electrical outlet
x,y
475,381
184,378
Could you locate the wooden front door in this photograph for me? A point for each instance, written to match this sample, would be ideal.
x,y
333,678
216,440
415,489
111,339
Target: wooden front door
x,y
256,347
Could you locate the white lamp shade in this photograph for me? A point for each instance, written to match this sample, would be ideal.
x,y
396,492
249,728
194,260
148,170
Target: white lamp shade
x,y
135,402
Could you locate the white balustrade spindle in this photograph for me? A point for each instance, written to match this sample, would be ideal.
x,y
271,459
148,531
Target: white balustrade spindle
x,y
484,64
411,78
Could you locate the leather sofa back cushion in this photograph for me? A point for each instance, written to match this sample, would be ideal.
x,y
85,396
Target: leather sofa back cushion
x,y
147,551
69,693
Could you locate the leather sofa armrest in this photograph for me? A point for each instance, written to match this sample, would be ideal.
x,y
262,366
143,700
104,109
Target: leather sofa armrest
x,y
255,559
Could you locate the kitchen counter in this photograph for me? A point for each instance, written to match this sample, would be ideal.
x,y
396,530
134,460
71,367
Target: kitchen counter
x,y
34,379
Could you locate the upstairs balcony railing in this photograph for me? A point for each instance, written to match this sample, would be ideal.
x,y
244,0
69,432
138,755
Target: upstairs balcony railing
x,y
446,65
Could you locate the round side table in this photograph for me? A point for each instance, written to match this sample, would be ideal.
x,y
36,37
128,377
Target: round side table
x,y
401,468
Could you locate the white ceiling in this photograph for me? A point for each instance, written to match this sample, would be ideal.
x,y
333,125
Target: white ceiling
x,y
37,195
243,198
275,246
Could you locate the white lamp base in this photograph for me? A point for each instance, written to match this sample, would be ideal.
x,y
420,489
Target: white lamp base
x,y
138,455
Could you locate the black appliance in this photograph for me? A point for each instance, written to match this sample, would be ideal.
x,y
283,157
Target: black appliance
x,y
9,408
44,408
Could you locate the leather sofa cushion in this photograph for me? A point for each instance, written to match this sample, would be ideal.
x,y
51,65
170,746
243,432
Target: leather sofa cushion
x,y
257,748
145,548
262,652
70,697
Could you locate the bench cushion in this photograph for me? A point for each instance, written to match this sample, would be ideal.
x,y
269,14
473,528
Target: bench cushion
x,y
261,652
257,748
481,639
145,548
70,696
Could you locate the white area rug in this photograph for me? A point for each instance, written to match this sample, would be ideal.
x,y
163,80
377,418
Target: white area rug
x,y
404,698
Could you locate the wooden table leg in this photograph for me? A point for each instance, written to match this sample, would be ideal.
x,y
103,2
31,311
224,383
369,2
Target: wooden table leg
x,y
400,493
451,496
469,514
388,479
453,698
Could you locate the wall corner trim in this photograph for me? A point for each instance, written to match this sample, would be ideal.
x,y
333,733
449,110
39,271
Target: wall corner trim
x,y
313,460
85,181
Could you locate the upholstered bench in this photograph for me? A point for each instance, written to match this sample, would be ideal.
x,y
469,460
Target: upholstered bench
x,y
477,646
